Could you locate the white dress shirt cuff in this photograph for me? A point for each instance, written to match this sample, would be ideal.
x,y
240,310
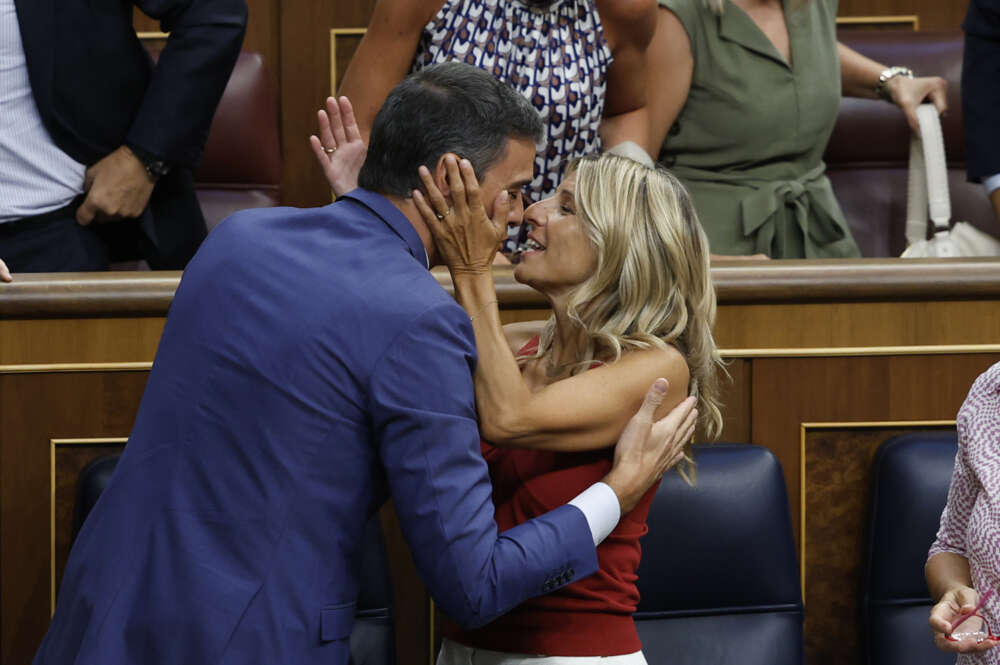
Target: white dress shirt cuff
x,y
991,183
600,506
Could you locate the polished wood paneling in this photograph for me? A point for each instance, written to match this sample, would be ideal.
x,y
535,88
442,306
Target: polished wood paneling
x,y
737,413
305,85
788,392
36,408
934,15
865,324
41,341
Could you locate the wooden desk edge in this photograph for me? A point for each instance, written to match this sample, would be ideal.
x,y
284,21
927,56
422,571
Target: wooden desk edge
x,y
148,294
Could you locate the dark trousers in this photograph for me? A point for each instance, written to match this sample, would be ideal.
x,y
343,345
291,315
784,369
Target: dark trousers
x,y
54,242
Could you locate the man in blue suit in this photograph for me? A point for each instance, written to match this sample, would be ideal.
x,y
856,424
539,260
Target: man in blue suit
x,y
310,367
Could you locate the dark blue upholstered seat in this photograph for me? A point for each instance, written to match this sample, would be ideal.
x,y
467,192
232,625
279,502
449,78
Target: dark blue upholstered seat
x,y
910,478
719,577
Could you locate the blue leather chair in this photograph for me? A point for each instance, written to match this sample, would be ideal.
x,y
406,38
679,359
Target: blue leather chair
x,y
910,478
719,579
373,639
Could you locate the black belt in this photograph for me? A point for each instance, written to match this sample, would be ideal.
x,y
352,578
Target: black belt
x,y
65,211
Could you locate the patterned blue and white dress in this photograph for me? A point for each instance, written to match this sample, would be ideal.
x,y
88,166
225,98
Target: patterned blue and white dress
x,y
557,57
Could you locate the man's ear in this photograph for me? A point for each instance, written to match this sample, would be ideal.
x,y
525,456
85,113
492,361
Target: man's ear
x,y
440,173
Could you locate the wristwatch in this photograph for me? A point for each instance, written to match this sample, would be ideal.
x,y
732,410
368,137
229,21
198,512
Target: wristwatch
x,y
155,167
882,89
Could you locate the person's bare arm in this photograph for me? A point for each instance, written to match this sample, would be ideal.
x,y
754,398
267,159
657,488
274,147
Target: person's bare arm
x,y
628,27
859,77
581,412
384,56
950,584
671,66
5,273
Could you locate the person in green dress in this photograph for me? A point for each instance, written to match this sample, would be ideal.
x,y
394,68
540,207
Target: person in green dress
x,y
744,95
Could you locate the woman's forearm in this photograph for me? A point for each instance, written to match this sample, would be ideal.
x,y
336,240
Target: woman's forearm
x,y
946,572
858,74
501,393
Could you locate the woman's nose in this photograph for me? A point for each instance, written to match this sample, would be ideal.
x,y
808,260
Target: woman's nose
x,y
535,214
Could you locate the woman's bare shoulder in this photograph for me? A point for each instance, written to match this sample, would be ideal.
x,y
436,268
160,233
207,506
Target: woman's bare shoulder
x,y
667,362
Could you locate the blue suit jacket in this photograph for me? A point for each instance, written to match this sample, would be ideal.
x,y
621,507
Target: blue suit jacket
x,y
310,366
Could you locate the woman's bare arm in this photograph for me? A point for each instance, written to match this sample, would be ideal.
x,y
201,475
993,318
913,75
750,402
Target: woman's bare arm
x,y
950,584
628,27
583,412
385,54
671,66
859,77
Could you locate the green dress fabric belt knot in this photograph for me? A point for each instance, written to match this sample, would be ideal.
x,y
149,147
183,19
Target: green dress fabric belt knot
x,y
770,212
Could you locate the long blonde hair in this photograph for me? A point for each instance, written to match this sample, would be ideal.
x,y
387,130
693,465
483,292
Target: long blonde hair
x,y
652,286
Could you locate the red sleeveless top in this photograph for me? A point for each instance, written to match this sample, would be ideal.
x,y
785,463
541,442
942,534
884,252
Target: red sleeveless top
x,y
591,617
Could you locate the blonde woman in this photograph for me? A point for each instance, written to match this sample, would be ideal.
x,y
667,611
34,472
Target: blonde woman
x,y
621,257
743,97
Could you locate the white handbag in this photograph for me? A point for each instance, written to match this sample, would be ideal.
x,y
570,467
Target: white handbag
x,y
927,189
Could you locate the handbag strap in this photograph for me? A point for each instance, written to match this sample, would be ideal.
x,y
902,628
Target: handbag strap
x,y
927,186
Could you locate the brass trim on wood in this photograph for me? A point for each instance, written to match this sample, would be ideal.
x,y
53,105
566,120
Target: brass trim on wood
x,y
334,33
911,19
803,429
53,444
835,351
51,368
431,614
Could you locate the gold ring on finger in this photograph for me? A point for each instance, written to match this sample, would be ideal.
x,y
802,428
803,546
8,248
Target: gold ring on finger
x,y
330,151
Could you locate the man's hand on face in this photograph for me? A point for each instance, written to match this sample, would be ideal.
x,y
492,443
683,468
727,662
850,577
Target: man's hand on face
x,y
647,449
117,187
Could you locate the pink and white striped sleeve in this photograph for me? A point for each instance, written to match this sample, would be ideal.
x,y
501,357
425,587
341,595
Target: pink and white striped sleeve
x,y
951,535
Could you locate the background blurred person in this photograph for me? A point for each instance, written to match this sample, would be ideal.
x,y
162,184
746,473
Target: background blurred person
x,y
98,146
964,560
744,95
581,64
981,96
